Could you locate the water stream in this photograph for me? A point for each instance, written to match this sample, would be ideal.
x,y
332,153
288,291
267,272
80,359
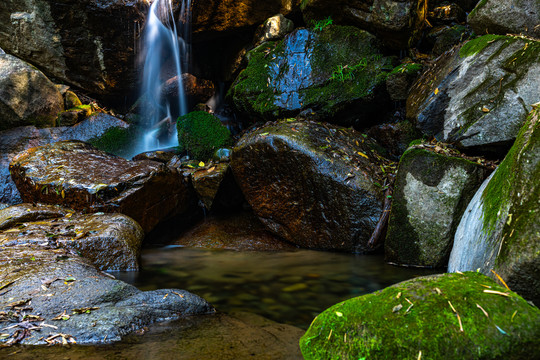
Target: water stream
x,y
165,51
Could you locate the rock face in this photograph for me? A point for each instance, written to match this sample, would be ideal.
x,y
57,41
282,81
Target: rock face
x,y
338,72
27,97
311,184
109,241
397,22
216,187
506,17
88,43
463,320
478,96
77,175
273,28
81,302
16,140
501,227
214,18
431,193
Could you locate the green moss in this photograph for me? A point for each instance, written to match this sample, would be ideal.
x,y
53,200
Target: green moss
x,y
201,134
372,327
409,69
116,140
480,4
473,47
416,142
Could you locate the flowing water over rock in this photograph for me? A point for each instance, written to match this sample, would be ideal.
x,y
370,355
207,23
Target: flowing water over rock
x,y
165,51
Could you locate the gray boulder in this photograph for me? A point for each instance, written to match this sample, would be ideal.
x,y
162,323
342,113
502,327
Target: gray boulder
x,y
431,193
479,95
27,97
312,184
506,17
500,229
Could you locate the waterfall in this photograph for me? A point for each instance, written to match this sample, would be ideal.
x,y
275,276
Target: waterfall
x,y
165,53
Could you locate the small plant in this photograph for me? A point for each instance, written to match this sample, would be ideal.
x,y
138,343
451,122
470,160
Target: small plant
x,y
321,24
346,72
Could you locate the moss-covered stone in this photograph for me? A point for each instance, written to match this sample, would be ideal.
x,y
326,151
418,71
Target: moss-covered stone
x,y
450,316
431,193
117,141
333,71
201,134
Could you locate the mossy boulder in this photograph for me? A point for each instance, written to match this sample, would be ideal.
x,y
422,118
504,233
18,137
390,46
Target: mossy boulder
x,y
448,316
431,193
506,17
397,22
201,134
338,72
479,95
312,184
501,227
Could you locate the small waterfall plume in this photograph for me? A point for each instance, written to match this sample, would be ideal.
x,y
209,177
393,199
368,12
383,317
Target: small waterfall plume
x,y
165,53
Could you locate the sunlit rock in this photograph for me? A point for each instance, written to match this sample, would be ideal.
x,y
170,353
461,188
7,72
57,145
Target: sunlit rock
x,y
479,95
77,175
338,72
448,316
273,28
311,184
27,97
431,193
500,229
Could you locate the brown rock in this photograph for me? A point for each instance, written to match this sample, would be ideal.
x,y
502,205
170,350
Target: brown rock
x,y
77,175
196,89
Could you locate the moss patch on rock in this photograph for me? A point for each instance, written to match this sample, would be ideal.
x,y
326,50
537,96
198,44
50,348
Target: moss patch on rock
x,y
443,317
201,134
117,141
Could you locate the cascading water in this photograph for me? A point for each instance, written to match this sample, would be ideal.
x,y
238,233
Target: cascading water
x,y
165,53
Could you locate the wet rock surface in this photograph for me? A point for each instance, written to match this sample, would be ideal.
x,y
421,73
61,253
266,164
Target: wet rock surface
x,y
109,241
395,21
479,95
463,318
87,43
14,141
77,175
431,193
27,97
46,293
216,187
311,184
500,228
506,17
338,73
273,28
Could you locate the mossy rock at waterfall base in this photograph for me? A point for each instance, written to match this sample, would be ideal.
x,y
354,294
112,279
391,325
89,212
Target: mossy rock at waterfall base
x,y
448,316
201,134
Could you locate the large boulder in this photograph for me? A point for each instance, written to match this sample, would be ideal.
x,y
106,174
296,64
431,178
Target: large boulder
x,y
431,193
77,175
109,241
506,17
480,94
501,226
397,22
314,185
337,72
27,97
53,296
14,141
87,43
448,316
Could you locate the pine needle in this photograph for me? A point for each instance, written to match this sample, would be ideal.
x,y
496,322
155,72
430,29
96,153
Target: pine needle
x,y
484,311
496,292
500,279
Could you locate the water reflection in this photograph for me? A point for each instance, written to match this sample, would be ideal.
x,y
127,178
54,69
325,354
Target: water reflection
x,y
288,287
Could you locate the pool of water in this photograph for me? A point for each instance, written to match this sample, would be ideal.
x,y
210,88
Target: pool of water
x,y
289,287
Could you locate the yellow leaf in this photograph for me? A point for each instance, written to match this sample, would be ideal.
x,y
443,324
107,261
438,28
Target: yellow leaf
x,y
201,164
485,109
339,314
63,193
362,154
436,91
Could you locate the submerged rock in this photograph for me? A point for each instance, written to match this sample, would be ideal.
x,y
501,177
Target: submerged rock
x,y
431,193
109,241
506,17
89,43
338,72
501,226
56,292
14,141
311,184
449,316
479,95
77,175
27,97
397,22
